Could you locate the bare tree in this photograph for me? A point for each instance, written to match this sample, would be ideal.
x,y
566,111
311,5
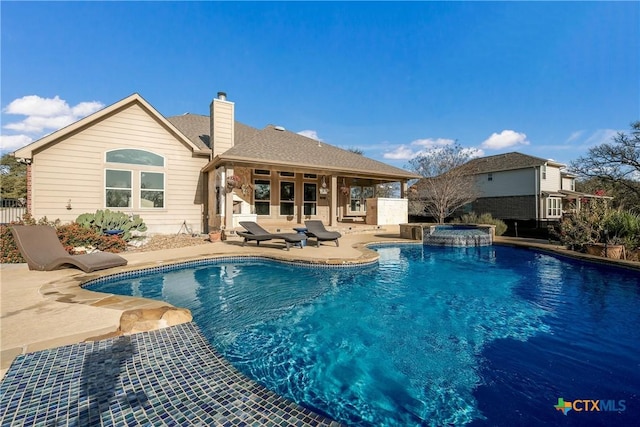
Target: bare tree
x,y
448,184
617,162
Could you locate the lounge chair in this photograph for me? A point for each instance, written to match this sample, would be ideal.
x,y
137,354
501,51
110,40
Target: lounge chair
x,y
259,234
41,248
316,229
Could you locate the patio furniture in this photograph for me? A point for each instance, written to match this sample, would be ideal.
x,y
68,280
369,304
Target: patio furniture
x,y
41,248
316,229
302,231
259,234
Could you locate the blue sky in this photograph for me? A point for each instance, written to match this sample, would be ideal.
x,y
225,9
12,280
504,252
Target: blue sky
x,y
548,79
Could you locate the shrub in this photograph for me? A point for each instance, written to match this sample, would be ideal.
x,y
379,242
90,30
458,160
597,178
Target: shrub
x,y
596,222
485,218
623,227
104,220
74,235
70,235
9,253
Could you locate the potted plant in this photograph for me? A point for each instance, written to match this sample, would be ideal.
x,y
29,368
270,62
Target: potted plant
x,y
610,248
234,181
216,234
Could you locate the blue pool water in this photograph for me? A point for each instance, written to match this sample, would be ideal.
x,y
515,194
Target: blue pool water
x,y
479,336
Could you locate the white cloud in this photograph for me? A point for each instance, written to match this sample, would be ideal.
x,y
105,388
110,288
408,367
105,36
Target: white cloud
x,y
575,135
432,143
425,145
13,142
601,136
47,113
33,105
504,139
37,124
473,152
83,109
400,153
310,134
43,115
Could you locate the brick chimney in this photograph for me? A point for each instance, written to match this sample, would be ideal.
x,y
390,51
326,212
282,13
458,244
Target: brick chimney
x,y
221,119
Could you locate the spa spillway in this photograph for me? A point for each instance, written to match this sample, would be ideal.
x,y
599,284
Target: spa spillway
x,y
458,235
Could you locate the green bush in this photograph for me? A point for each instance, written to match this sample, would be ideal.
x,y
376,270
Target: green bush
x,y
485,218
70,235
623,227
9,253
105,220
74,235
597,223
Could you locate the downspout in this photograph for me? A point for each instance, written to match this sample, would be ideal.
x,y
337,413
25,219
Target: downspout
x,y
537,194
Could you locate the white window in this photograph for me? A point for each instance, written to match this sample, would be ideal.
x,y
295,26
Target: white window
x,y
544,171
358,199
142,185
118,185
310,195
490,176
554,207
151,190
262,196
287,198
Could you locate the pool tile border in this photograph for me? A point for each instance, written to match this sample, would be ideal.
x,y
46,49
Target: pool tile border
x,y
215,261
171,376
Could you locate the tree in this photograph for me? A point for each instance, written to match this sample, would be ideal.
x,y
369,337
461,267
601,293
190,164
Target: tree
x,y
448,184
616,163
623,197
13,178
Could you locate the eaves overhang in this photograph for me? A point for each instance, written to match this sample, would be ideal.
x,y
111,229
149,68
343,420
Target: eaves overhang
x,y
328,169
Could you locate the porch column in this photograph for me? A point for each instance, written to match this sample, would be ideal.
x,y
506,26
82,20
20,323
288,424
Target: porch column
x,y
404,189
333,205
228,198
211,201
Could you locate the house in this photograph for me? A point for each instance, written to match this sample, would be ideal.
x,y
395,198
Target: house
x,y
517,186
201,172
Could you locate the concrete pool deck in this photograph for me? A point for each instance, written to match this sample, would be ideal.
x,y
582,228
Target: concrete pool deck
x,y
40,310
46,310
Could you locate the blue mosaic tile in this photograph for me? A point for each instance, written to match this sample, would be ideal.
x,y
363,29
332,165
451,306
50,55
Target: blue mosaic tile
x,y
216,261
168,377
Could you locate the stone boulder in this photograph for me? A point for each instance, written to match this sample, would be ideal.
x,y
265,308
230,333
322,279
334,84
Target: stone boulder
x,y
150,319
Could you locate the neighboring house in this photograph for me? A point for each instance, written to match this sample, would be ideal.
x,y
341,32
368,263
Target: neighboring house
x,y
200,171
517,186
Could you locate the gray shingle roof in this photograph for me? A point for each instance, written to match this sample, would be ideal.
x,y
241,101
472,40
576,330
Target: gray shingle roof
x,y
272,146
508,161
196,128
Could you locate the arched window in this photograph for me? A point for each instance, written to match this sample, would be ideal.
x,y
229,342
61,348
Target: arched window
x,y
135,157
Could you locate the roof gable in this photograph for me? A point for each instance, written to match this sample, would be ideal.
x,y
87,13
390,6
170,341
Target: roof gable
x,y
509,161
78,126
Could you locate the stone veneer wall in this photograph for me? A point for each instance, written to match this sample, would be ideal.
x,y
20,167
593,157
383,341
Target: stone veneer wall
x,y
508,207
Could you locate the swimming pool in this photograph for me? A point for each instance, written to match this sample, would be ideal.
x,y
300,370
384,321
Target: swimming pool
x,y
428,336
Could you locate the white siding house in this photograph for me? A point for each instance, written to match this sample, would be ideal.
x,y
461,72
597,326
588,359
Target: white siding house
x,y
196,171
77,170
517,186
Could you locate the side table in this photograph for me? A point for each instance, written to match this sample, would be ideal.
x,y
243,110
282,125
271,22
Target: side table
x,y
302,230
